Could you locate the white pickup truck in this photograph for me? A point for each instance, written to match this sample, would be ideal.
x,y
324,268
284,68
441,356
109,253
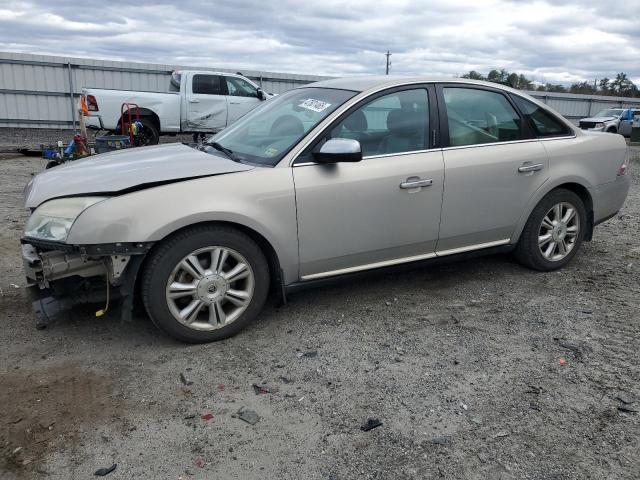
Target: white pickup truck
x,y
197,102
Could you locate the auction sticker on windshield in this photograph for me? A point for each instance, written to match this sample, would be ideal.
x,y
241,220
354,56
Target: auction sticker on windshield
x,y
314,105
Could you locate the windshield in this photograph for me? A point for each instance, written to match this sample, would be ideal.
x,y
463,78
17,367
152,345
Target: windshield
x,y
612,112
267,133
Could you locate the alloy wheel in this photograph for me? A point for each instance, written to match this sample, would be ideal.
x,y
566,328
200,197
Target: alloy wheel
x,y
559,231
210,288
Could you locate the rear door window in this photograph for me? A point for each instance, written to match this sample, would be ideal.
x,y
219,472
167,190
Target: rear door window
x,y
206,84
478,116
543,123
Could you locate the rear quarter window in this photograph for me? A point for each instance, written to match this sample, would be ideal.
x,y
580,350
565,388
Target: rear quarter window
x,y
543,123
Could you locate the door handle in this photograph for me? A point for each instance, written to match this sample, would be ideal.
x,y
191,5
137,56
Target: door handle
x,y
234,103
531,168
417,183
194,100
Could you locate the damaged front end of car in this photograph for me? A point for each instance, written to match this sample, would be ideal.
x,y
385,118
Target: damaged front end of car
x,y
70,254
60,276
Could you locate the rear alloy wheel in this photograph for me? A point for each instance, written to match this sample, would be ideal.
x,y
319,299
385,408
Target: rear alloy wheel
x,y
554,231
205,283
559,231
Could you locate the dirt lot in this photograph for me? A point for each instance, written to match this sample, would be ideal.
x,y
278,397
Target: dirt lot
x,y
478,370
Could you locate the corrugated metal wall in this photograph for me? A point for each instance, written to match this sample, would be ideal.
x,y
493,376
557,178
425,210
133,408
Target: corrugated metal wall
x,y
35,89
574,107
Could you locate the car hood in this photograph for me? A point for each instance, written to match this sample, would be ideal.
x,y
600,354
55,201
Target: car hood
x,y
126,170
598,119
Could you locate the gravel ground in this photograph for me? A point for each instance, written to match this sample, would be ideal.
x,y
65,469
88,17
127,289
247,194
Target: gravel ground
x,y
477,370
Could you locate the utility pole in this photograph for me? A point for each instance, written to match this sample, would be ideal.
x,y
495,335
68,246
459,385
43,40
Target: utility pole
x,y
388,55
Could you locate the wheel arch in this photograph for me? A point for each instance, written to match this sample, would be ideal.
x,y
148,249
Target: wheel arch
x,y
573,185
270,253
144,112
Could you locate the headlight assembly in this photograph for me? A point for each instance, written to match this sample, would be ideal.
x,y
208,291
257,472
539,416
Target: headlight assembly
x,y
52,220
599,125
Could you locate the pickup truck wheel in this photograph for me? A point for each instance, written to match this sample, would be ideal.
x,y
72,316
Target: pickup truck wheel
x,y
205,284
612,130
149,134
554,231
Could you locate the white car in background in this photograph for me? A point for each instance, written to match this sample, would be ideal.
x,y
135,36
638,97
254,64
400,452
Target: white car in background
x,y
197,102
611,120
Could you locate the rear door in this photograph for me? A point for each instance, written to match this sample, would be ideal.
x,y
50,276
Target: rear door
x,y
242,97
206,103
380,211
493,165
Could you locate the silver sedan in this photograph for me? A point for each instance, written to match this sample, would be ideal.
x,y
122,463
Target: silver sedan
x,y
327,179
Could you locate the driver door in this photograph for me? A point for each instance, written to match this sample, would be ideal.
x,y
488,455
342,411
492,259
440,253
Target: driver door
x,y
242,98
383,210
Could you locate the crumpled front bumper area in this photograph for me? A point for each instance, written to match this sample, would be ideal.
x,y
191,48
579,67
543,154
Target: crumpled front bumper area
x,y
44,267
61,276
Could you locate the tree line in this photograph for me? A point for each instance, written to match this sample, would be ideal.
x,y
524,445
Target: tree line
x,y
620,86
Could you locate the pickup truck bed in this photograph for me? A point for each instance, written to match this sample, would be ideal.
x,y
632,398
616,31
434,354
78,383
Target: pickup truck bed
x,y
166,105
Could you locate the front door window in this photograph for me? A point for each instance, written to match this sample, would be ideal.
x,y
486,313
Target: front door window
x,y
395,123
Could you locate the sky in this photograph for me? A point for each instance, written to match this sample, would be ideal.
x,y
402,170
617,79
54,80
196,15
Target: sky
x,y
558,42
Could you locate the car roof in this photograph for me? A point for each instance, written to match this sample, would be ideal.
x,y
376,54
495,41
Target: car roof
x,y
371,82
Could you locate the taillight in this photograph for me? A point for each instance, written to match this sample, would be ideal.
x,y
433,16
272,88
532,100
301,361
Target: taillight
x,y
92,103
624,168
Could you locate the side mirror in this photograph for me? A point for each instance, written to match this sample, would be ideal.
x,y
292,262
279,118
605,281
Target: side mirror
x,y
261,95
337,150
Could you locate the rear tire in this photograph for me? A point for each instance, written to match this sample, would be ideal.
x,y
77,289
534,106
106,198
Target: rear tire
x,y
150,134
205,283
554,231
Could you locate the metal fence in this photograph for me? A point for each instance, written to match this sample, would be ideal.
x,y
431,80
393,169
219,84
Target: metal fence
x,y
40,91
575,106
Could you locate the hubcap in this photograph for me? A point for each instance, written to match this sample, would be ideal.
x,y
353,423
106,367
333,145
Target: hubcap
x,y
210,288
559,231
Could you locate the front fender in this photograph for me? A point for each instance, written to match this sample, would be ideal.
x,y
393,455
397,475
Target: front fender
x,y
261,199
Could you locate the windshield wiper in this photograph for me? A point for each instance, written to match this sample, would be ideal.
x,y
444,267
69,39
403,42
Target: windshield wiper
x,y
225,150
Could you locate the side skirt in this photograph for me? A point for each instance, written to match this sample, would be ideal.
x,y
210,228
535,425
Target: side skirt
x,y
403,267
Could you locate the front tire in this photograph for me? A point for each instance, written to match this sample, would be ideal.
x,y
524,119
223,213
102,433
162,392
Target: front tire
x,y
554,231
205,283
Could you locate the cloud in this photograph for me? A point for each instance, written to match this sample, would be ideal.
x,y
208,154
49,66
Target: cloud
x,y
576,40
